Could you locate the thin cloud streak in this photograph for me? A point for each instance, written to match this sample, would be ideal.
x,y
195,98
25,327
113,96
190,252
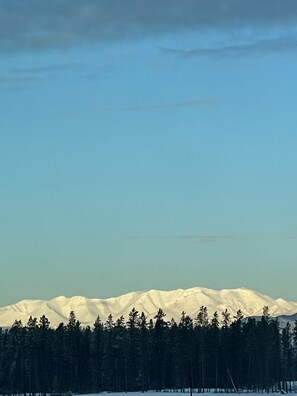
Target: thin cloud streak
x,y
205,238
17,82
156,106
261,47
44,69
34,25
18,79
197,238
25,77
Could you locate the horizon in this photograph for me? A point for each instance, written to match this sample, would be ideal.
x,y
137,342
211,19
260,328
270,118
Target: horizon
x,y
147,145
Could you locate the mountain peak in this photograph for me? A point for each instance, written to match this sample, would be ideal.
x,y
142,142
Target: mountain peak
x,y
173,302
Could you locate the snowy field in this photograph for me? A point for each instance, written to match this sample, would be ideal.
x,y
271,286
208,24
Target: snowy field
x,y
172,393
186,392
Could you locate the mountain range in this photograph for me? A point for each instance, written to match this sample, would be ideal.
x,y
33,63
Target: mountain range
x,y
172,302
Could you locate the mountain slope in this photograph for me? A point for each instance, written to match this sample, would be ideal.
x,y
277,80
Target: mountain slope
x,y
172,302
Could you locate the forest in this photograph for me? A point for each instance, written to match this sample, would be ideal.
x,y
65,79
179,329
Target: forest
x,y
219,353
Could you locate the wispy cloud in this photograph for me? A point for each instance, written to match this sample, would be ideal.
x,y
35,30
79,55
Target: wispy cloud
x,y
17,82
156,106
260,47
44,69
26,77
196,237
33,25
17,79
205,238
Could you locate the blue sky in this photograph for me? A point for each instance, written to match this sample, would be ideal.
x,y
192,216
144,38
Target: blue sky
x,y
147,144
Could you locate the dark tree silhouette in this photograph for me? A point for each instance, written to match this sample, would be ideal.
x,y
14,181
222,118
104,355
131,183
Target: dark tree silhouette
x,y
139,355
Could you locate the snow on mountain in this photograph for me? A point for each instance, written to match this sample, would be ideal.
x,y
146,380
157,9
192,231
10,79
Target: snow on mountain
x,y
172,302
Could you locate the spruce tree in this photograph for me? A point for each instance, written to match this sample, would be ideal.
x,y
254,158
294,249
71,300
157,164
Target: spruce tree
x,y
132,347
145,347
158,350
97,355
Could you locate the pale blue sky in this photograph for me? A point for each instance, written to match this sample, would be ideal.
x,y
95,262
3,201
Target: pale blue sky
x,y
147,145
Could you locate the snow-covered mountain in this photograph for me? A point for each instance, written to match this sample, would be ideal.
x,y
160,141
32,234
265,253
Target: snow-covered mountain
x,y
172,302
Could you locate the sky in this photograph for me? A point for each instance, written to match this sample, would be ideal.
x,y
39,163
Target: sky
x,y
147,145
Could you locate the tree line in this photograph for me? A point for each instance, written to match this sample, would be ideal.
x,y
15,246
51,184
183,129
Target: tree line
x,y
220,353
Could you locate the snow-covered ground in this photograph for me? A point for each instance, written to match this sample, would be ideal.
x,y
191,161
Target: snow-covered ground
x,y
186,393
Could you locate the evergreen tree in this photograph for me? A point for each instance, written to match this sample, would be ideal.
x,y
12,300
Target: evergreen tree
x,y
97,355
120,355
158,342
236,350
44,354
294,341
201,328
73,339
85,370
60,367
31,360
108,358
184,352
287,356
214,350
142,355
13,363
145,346
132,358
250,352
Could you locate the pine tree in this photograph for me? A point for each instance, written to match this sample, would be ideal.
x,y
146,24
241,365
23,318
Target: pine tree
x,y
145,346
44,354
275,354
158,350
60,361
97,355
107,359
132,360
85,370
225,372
32,362
287,356
294,341
250,352
120,355
214,349
13,359
201,328
73,339
264,350
184,352
236,349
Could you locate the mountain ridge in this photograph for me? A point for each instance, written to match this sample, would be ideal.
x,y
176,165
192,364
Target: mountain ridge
x,y
173,302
